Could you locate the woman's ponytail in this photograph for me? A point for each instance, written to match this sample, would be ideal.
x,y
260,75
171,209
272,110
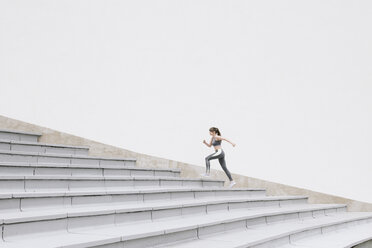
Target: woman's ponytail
x,y
216,130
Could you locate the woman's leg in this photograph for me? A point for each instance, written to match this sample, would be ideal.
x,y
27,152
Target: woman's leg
x,y
214,155
223,165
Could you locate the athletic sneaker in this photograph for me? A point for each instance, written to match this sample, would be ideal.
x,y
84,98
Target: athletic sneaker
x,y
205,175
232,183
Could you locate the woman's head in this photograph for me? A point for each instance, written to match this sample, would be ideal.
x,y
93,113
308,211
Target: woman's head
x,y
214,130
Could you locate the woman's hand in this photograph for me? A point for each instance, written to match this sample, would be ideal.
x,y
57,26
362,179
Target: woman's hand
x,y
233,144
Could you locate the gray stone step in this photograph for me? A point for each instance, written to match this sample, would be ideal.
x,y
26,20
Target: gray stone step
x,y
202,205
26,169
149,211
348,237
25,146
26,201
278,234
41,158
19,135
167,230
42,183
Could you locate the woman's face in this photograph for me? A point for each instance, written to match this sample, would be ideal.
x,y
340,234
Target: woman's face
x,y
212,133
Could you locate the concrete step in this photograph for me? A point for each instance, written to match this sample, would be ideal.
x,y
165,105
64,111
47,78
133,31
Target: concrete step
x,y
145,212
25,146
42,183
183,206
41,158
26,169
26,201
19,135
347,237
167,230
263,235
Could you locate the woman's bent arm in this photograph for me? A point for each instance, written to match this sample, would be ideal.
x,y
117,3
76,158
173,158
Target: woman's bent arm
x,y
209,145
222,138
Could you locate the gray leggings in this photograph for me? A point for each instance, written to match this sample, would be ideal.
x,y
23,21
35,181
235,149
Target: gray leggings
x,y
220,154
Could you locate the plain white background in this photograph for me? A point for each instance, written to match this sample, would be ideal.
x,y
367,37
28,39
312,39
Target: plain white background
x,y
290,82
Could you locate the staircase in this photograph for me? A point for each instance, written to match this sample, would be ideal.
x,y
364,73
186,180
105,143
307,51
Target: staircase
x,y
59,196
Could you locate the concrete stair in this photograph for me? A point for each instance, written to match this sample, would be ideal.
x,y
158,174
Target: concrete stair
x,y
14,169
59,196
361,234
281,234
23,201
70,183
25,146
19,135
43,158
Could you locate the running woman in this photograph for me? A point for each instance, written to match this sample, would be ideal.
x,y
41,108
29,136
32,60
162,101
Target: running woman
x,y
218,153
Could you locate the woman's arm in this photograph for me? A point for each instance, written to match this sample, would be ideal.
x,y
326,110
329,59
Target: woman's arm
x,y
210,143
222,138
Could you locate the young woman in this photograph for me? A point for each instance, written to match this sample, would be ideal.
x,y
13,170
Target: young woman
x,y
218,153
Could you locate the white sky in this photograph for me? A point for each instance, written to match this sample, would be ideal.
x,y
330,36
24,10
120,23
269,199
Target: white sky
x,y
290,82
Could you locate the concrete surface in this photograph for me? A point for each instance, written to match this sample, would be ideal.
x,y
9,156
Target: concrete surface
x,y
52,195
187,170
